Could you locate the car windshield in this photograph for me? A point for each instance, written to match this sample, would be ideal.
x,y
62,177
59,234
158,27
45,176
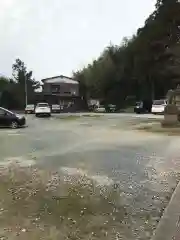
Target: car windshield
x,y
30,106
138,103
159,102
6,110
42,105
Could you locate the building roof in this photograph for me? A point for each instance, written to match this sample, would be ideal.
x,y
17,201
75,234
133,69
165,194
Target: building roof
x,y
60,79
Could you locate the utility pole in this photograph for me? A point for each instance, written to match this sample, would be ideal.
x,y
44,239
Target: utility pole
x,y
26,96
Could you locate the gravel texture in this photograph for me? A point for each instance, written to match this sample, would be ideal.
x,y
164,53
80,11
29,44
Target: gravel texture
x,y
125,177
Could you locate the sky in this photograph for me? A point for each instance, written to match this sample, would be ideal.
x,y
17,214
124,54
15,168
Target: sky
x,y
55,37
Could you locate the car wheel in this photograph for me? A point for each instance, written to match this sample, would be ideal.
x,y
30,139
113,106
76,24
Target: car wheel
x,y
37,115
14,125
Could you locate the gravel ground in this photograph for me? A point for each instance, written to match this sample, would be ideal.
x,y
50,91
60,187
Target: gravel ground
x,y
129,175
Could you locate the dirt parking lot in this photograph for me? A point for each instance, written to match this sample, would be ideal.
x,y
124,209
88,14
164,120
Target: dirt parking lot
x,y
129,175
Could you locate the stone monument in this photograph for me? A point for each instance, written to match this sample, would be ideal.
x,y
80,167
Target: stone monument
x,y
172,110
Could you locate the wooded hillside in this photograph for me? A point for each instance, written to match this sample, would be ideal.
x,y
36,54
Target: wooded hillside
x,y
145,66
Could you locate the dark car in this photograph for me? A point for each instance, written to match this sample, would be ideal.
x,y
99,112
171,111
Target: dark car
x,y
143,107
111,108
10,119
55,108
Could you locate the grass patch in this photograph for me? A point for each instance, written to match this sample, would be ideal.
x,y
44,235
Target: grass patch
x,y
92,116
157,128
136,124
77,117
128,110
70,118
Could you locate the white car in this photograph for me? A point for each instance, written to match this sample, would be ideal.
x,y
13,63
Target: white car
x,y
29,108
43,109
100,109
158,106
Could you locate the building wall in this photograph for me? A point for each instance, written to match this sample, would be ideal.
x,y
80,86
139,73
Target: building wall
x,y
61,89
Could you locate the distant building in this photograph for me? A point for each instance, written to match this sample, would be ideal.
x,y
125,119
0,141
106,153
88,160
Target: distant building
x,y
61,86
60,90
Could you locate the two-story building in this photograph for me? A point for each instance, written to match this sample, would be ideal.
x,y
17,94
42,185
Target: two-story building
x,y
60,90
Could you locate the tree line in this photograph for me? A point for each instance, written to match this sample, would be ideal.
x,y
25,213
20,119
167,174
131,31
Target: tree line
x,y
13,90
145,66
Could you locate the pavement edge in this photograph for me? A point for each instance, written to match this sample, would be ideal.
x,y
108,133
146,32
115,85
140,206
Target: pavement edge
x,y
169,225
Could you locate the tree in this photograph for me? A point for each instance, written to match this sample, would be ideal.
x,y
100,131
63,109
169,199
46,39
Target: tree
x,y
3,82
7,95
145,66
3,85
23,82
12,90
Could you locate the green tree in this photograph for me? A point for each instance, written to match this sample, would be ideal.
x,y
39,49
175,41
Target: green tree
x,y
24,83
7,94
145,66
3,83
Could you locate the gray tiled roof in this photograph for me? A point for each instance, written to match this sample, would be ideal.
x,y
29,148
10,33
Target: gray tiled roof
x,y
60,79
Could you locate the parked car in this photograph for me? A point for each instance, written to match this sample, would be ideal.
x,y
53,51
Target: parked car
x,y
10,119
91,108
143,106
42,109
29,108
100,108
158,106
55,108
111,108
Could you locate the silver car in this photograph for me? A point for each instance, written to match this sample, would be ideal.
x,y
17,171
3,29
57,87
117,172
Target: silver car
x,y
100,109
29,108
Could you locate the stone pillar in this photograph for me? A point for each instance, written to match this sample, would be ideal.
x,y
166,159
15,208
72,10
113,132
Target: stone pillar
x,y
170,115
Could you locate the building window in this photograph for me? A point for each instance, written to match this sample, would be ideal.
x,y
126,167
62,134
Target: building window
x,y
55,88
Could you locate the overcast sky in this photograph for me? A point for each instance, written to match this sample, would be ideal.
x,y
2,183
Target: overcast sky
x,y
55,37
